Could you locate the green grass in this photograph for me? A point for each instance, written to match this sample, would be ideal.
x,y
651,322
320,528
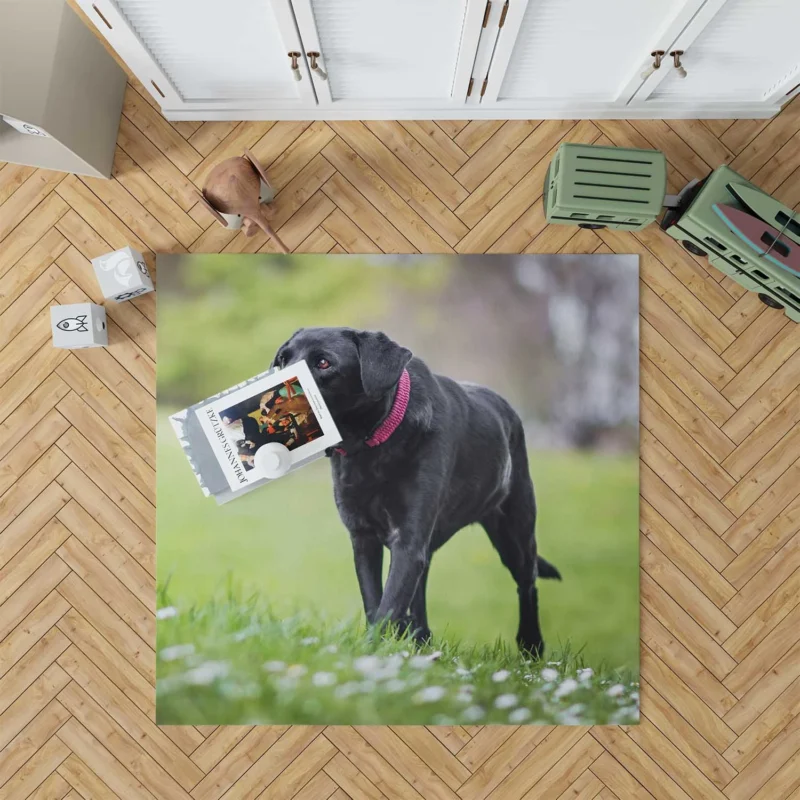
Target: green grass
x,y
233,662
285,549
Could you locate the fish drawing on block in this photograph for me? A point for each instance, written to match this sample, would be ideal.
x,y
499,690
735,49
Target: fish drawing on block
x,y
77,324
767,241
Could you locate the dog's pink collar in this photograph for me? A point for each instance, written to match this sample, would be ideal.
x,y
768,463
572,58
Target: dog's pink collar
x,y
393,418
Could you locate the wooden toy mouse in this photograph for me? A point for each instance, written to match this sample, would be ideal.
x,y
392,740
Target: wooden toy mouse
x,y
235,192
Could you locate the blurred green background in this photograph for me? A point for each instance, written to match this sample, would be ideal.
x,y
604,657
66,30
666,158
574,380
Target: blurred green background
x,y
558,338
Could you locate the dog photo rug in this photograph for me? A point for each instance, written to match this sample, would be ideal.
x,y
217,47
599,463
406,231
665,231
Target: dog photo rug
x,y
461,546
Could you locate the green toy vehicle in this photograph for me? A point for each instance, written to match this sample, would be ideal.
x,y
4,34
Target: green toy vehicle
x,y
743,231
703,232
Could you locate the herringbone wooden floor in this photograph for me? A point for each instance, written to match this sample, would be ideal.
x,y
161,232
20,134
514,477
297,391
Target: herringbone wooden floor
x,y
720,474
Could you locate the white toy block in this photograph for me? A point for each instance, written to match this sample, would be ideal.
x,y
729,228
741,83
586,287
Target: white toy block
x,y
78,325
122,274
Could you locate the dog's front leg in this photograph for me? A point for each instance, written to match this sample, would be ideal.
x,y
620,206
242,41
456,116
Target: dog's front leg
x,y
368,554
409,561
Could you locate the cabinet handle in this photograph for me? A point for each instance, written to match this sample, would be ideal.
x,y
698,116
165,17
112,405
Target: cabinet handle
x,y
100,14
657,56
295,66
676,57
313,56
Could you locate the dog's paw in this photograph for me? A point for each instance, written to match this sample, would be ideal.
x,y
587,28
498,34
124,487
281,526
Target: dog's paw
x,y
535,649
421,635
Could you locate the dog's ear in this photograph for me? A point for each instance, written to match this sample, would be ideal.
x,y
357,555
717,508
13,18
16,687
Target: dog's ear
x,y
382,362
276,361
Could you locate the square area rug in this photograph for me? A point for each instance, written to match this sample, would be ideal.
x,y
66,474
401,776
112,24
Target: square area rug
x,y
401,571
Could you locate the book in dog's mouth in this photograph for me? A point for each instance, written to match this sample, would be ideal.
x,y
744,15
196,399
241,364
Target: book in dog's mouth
x,y
281,411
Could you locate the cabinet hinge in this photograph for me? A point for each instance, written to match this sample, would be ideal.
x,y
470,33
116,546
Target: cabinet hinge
x,y
503,15
486,13
469,88
483,88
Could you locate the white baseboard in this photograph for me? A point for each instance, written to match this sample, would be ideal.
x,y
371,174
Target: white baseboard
x,y
650,111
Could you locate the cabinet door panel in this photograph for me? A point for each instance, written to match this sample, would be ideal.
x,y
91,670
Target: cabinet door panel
x,y
390,52
749,51
579,51
208,54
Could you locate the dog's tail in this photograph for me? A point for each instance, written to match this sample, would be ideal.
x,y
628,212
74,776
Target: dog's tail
x,y
546,570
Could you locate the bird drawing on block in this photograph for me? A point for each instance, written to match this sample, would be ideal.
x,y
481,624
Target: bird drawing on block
x,y
233,188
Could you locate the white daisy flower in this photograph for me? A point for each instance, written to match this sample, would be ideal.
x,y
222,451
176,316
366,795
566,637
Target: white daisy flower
x,y
330,648
473,714
366,664
207,673
274,666
566,687
309,640
463,672
167,612
237,691
419,662
566,718
395,686
549,674
297,671
585,675
286,684
505,701
616,690
430,694
519,715
500,675
464,693
386,668
176,651
245,633
625,716
323,679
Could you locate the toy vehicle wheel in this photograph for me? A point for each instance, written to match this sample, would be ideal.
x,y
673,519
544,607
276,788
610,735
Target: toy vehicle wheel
x,y
592,226
693,248
769,301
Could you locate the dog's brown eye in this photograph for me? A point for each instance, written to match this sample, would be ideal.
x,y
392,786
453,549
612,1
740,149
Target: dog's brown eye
x,y
323,363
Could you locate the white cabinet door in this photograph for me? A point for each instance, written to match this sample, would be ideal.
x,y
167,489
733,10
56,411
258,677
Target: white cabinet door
x,y
735,51
390,54
578,53
207,54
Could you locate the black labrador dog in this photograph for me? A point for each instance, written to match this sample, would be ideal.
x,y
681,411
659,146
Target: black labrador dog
x,y
458,457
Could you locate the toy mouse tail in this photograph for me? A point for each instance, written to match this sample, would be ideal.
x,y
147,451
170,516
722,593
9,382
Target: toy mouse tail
x,y
267,228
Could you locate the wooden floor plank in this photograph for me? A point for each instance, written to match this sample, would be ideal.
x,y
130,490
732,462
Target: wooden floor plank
x,y
388,202
392,170
437,143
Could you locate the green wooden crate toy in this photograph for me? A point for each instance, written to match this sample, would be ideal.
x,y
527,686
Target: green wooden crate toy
x,y
744,232
605,187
